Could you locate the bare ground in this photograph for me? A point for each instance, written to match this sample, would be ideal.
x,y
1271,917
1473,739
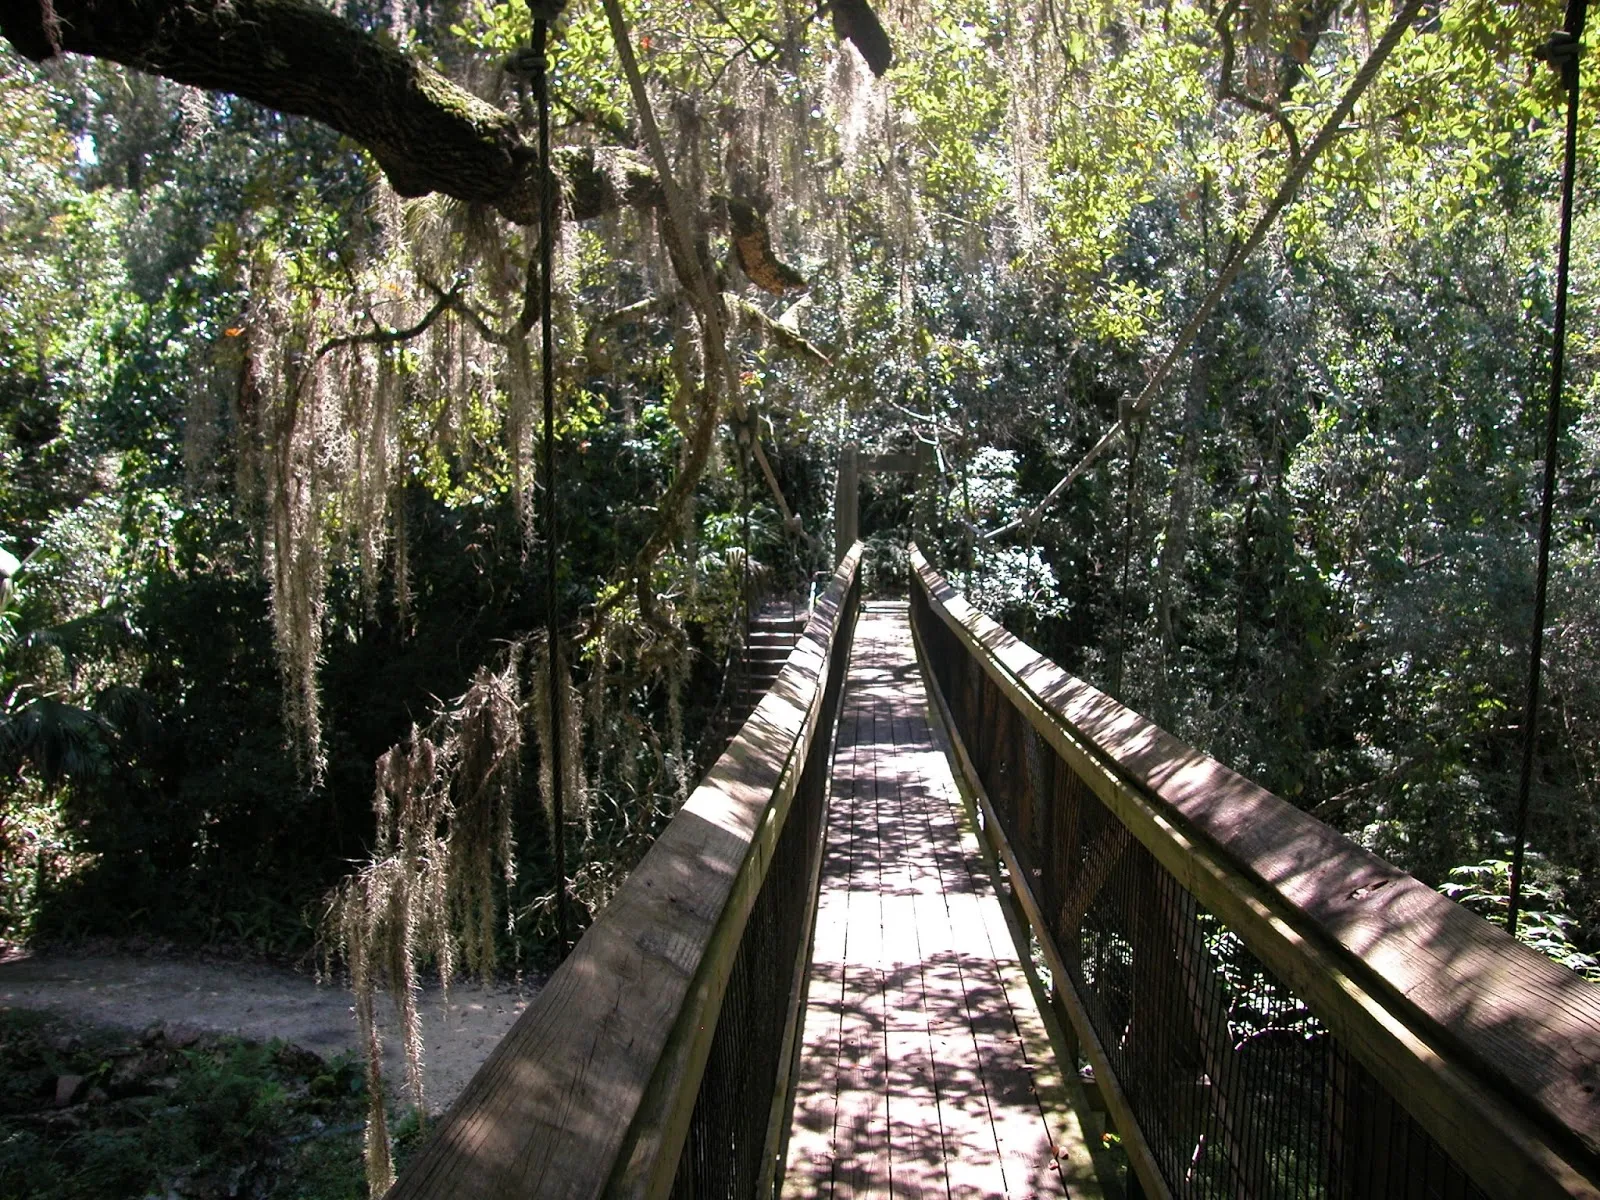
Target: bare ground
x,y
261,1003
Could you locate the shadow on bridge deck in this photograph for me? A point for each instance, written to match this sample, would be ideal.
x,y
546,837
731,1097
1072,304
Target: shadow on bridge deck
x,y
924,1057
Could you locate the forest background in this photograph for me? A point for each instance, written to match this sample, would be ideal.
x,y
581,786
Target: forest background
x,y
267,428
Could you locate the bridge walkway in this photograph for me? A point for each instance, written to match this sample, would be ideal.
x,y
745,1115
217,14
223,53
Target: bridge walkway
x,y
925,1069
1270,1010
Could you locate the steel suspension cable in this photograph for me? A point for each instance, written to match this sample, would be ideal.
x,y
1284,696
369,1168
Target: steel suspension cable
x,y
1562,51
543,12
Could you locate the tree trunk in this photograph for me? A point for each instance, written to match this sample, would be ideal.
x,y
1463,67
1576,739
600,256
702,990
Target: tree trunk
x,y
1175,545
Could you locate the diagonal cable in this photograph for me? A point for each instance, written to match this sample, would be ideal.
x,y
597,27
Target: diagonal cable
x,y
1286,193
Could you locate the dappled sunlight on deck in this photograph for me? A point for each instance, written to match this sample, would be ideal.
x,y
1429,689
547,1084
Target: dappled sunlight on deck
x,y
915,1078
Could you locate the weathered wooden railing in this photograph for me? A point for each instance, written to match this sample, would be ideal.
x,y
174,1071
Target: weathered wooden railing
x,y
658,1060
1269,1009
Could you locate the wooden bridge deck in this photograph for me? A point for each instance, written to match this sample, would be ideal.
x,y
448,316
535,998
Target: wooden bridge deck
x,y
925,1066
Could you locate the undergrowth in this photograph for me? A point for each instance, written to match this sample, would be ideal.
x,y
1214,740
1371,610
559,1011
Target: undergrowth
x,y
91,1114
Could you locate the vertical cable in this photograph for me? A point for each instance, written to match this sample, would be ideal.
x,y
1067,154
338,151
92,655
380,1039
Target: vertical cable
x,y
541,87
1562,52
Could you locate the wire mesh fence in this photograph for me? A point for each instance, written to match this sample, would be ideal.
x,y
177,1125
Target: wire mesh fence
x,y
1236,1086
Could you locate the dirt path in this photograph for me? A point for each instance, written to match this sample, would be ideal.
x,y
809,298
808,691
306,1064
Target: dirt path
x,y
261,1003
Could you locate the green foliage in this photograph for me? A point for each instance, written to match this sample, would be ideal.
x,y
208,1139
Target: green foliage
x,y
36,854
217,1118
1542,921
1318,567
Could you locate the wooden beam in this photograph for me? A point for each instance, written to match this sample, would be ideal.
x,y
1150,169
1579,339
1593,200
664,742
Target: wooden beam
x,y
591,1092
847,500
1493,1048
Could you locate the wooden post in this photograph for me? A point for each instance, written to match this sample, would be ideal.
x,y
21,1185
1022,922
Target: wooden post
x,y
846,501
926,482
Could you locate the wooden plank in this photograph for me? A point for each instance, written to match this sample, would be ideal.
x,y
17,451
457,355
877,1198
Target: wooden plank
x,y
852,853
890,1133
916,1137
953,957
864,1103
779,1123
1027,1146
922,1055
1074,1156
947,1165
810,1154
593,1086
994,1135
1020,1133
1023,1138
972,1165
1337,924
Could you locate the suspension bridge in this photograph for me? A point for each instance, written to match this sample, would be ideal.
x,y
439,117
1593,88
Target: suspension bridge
x,y
946,921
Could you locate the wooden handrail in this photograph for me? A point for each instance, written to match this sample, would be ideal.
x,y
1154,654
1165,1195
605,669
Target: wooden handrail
x,y
592,1091
1492,1048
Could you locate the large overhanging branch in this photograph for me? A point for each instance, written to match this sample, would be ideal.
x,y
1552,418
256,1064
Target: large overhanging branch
x,y
426,133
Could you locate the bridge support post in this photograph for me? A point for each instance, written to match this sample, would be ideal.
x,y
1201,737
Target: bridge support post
x,y
926,481
847,501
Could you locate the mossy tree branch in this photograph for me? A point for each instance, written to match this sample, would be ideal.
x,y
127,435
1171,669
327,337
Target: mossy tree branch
x,y
426,133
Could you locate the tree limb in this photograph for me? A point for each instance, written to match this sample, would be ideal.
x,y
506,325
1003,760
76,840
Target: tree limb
x,y
1227,91
426,133
753,244
382,336
739,311
783,336
854,21
720,383
473,317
